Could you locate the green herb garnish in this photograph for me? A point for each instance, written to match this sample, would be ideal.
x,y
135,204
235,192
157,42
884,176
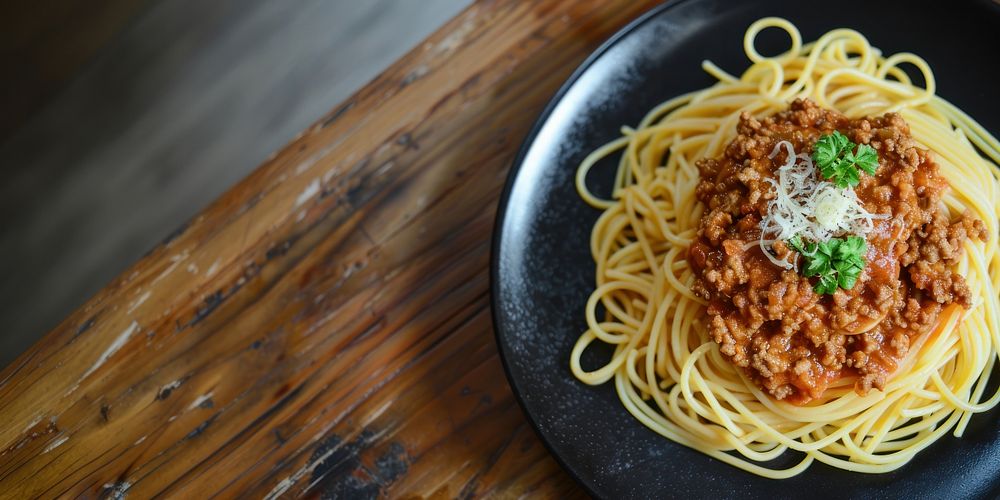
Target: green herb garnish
x,y
837,160
837,262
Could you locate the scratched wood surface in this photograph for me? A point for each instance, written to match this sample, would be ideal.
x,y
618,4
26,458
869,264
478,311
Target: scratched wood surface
x,y
323,329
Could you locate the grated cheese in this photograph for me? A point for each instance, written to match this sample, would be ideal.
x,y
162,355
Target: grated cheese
x,y
807,206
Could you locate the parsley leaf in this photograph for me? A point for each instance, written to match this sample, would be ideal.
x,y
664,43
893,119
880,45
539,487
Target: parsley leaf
x,y
867,158
796,243
837,262
837,160
829,147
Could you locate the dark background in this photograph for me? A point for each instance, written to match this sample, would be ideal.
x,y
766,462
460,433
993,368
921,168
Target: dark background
x,y
121,119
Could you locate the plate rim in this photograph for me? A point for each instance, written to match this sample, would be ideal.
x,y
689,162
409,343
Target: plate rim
x,y
589,485
501,216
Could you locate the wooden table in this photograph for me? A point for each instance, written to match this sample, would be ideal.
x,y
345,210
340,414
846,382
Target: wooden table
x,y
324,327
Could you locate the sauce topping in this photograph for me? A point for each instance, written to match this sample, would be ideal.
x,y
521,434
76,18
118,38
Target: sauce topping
x,y
769,320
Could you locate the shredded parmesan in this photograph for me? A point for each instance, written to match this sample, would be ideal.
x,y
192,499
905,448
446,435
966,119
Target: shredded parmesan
x,y
809,207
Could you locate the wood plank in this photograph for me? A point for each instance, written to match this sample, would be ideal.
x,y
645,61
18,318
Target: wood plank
x,y
324,326
186,100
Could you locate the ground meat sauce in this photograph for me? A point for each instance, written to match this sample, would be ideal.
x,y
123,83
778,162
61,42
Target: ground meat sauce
x,y
792,341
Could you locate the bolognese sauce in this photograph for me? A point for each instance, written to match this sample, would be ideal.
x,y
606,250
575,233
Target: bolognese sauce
x,y
770,321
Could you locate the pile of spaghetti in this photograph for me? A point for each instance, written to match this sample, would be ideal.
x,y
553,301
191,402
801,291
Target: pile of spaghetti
x,y
682,367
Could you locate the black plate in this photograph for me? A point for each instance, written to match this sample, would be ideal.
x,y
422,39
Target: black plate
x,y
542,272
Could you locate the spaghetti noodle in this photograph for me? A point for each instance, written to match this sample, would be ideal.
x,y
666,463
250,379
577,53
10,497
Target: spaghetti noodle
x,y
666,368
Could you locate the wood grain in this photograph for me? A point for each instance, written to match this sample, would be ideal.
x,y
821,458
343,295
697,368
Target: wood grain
x,y
324,327
185,101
